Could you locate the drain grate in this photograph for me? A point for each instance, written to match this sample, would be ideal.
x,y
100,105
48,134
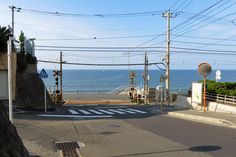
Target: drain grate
x,y
68,149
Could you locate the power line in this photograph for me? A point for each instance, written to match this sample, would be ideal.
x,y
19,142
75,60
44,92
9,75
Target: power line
x,y
201,43
97,15
187,5
195,26
100,38
202,37
174,4
93,64
123,49
182,23
195,15
195,23
180,5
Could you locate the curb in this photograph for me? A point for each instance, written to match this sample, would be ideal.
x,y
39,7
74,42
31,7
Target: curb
x,y
203,119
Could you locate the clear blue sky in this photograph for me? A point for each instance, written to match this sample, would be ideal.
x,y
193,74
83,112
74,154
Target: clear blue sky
x,y
215,22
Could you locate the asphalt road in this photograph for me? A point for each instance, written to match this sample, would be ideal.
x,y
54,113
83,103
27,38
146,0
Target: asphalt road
x,y
198,137
213,140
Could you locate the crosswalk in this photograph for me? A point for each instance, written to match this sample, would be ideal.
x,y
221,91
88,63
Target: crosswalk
x,y
105,111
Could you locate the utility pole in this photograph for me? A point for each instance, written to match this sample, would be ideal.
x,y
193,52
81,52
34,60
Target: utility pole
x,y
145,78
13,8
9,54
168,15
61,74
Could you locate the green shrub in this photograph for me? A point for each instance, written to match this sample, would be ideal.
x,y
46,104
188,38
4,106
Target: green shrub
x,y
224,88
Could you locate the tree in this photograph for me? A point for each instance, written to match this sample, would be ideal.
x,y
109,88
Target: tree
x,y
22,42
5,33
21,58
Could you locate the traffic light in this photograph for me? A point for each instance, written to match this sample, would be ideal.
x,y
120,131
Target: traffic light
x,y
56,79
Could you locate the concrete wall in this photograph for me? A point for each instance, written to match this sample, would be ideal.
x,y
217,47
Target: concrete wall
x,y
4,66
214,107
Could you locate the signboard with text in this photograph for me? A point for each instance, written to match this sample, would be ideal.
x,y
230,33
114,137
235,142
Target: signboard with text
x,y
197,92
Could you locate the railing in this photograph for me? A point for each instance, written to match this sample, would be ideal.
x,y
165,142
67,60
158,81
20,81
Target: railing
x,y
231,100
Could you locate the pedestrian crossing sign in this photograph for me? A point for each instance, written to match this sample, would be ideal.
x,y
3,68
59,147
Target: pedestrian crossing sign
x,y
43,74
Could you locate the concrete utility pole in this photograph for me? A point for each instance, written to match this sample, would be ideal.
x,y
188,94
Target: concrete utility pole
x,y
145,79
61,74
9,54
13,8
168,15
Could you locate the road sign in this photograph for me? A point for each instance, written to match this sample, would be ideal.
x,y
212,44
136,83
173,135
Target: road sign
x,y
218,75
43,74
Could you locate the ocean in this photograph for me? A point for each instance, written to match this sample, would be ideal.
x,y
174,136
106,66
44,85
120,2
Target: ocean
x,y
108,81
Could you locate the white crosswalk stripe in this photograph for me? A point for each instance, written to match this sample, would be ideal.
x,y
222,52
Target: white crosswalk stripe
x,y
107,112
73,111
96,112
137,111
116,111
84,112
123,110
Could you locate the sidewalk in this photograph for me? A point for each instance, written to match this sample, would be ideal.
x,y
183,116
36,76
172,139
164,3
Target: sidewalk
x,y
214,118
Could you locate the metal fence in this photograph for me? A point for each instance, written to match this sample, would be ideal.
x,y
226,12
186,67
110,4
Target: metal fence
x,y
221,98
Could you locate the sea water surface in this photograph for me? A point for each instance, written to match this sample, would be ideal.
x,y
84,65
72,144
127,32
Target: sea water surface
x,y
103,81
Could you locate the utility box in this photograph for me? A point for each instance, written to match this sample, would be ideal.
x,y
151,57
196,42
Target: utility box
x,y
3,84
152,95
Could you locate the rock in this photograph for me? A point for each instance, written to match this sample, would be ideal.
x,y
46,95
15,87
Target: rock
x,y
11,144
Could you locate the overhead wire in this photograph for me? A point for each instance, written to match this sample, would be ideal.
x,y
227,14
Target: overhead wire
x,y
182,23
196,25
178,7
97,15
95,64
174,4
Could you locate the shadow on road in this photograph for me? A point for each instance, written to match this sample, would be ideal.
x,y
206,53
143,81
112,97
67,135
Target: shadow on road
x,y
206,148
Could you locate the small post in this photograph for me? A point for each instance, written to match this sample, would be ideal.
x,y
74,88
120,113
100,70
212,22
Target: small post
x,y
45,97
204,94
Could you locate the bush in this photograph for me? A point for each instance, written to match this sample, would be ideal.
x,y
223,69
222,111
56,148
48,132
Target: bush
x,y
224,88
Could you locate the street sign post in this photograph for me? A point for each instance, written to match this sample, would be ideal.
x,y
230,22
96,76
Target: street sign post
x,y
43,74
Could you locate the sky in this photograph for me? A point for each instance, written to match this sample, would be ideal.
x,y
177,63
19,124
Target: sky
x,y
199,30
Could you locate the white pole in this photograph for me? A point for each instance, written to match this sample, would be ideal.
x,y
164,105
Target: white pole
x,y
9,56
45,97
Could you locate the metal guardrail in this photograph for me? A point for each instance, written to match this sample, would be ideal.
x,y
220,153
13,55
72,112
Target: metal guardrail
x,y
221,98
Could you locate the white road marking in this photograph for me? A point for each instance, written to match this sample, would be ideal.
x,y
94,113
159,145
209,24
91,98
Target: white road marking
x,y
108,107
84,111
123,110
73,111
96,112
74,116
137,110
107,112
119,112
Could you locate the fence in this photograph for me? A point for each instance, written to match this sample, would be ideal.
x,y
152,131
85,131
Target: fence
x,y
221,98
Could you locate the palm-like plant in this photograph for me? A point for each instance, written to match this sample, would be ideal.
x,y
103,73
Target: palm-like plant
x,y
5,33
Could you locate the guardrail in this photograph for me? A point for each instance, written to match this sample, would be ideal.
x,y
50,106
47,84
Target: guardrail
x,y
221,98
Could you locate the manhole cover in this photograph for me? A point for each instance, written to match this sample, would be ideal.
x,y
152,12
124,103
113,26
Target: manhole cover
x,y
68,149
